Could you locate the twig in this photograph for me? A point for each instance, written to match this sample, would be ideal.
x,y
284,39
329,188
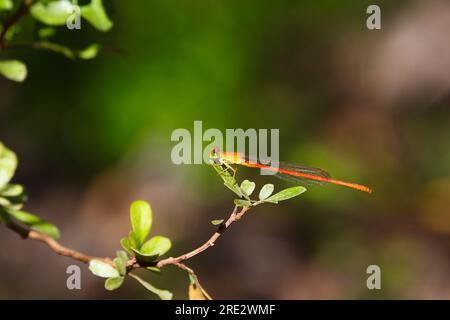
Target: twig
x,y
64,251
27,233
19,14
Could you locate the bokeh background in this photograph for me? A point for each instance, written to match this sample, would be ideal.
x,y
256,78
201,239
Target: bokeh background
x,y
368,106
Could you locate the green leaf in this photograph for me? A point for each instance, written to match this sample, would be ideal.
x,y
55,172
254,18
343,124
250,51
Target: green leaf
x,y
121,264
96,15
142,257
266,191
163,294
36,223
133,240
14,70
6,5
228,180
18,207
26,218
157,245
46,32
153,248
217,222
141,221
12,190
285,194
234,187
54,13
48,229
12,197
113,283
12,31
102,269
90,52
154,269
4,202
248,187
125,243
242,203
122,255
10,204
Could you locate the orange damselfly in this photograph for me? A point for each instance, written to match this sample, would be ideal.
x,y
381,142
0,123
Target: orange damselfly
x,y
296,173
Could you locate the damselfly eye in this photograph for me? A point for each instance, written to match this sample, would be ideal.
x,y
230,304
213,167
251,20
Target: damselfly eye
x,y
218,161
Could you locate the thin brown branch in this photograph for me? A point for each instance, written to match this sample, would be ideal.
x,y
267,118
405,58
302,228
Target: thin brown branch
x,y
61,250
235,216
27,233
15,18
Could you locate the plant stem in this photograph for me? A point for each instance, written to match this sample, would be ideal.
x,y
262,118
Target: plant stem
x,y
235,216
27,233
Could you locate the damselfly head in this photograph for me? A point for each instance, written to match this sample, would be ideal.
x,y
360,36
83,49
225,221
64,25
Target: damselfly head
x,y
215,156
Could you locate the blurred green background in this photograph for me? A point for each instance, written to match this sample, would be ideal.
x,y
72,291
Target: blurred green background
x,y
368,106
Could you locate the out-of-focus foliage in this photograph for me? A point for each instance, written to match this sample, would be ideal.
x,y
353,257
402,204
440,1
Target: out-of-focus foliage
x,y
14,70
6,5
53,13
57,13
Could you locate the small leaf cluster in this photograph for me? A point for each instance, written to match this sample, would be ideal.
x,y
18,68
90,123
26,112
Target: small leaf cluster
x,y
246,188
47,16
114,276
57,12
13,197
145,252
